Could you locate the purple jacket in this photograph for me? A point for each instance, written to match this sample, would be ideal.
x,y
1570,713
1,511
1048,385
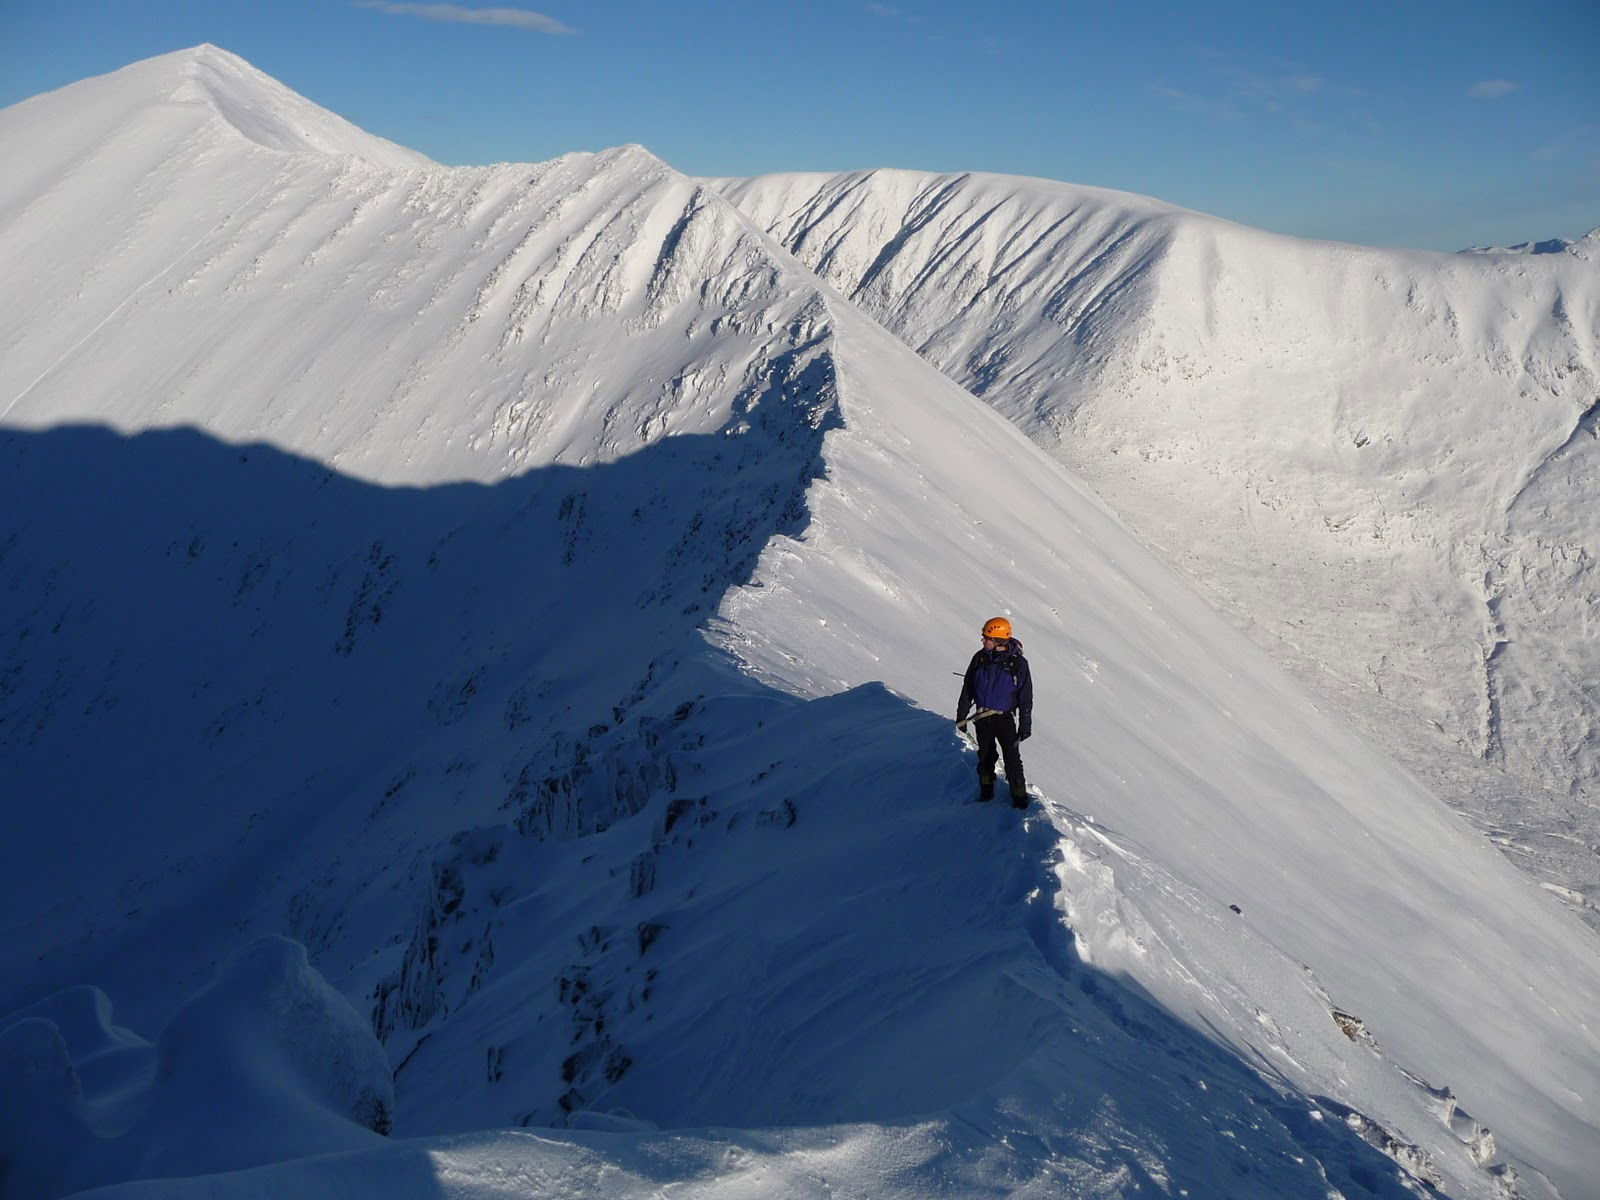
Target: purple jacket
x,y
999,679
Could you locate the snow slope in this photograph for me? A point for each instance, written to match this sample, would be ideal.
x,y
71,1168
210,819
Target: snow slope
x,y
406,327
1408,440
265,1063
531,590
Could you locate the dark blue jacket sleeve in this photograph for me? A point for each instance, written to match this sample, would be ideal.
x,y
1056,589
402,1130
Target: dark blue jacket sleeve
x,y
964,705
1024,697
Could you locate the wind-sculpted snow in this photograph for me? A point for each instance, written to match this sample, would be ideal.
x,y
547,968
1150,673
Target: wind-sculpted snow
x,y
1380,464
266,1063
535,593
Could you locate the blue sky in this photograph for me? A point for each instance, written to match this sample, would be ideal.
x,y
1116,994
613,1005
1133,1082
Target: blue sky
x,y
1423,124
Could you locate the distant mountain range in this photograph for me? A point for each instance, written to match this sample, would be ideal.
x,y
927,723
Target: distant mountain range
x,y
1548,246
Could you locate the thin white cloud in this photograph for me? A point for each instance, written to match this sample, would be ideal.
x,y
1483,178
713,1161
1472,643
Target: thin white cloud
x,y
1491,89
1242,87
1578,141
514,18
1279,82
1190,102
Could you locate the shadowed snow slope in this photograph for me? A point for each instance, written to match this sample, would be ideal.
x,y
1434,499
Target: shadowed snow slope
x,y
266,1063
534,592
1382,465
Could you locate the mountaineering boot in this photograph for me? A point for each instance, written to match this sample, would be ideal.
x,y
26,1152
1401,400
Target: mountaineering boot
x,y
1019,795
985,787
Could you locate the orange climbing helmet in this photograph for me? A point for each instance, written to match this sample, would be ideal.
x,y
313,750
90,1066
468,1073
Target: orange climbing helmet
x,y
997,627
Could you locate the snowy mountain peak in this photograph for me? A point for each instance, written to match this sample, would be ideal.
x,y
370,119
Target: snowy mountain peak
x,y
157,99
1548,246
1583,247
270,114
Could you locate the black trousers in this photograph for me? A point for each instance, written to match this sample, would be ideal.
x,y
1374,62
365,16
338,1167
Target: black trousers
x,y
997,737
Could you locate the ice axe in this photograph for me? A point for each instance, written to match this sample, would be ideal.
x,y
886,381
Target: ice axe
x,y
978,716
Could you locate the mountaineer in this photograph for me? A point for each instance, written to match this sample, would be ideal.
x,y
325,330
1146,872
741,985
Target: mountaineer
x,y
998,683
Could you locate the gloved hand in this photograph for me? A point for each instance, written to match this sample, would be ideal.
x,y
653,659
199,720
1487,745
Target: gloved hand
x,y
1024,733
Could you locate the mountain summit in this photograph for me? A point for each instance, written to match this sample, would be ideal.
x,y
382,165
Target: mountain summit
x,y
479,662
204,85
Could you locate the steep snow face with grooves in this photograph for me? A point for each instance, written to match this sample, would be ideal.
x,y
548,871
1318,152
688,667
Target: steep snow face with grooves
x,y
405,326
1383,465
535,593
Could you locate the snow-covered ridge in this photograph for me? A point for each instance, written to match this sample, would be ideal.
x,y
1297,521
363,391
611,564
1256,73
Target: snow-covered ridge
x,y
1406,437
534,591
460,278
